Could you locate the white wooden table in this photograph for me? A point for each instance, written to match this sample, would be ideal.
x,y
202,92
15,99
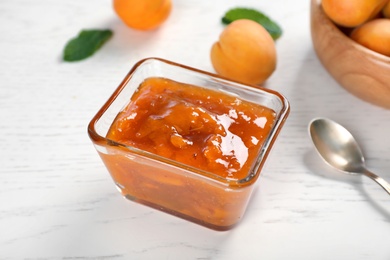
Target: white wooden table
x,y
57,200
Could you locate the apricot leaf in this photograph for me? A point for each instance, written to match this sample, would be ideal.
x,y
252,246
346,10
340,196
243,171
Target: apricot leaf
x,y
246,13
85,44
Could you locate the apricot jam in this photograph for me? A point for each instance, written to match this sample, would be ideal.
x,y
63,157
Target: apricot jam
x,y
202,128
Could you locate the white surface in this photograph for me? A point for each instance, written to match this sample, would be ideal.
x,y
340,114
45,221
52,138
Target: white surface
x,y
57,200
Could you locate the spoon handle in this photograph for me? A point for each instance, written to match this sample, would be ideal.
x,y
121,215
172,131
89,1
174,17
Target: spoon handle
x,y
384,184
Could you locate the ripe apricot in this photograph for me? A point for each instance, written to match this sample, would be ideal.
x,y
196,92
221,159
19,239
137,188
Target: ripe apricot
x,y
386,10
374,35
351,13
143,14
245,52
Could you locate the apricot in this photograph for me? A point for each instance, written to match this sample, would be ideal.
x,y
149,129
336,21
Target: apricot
x,y
386,10
143,14
245,52
374,35
352,13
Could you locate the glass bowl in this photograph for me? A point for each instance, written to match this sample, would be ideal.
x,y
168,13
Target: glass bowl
x,y
192,193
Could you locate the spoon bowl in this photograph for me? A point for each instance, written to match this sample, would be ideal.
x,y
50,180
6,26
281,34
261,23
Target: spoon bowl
x,y
339,149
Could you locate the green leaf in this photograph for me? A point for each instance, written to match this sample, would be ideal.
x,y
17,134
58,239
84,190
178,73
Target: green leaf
x,y
245,13
85,44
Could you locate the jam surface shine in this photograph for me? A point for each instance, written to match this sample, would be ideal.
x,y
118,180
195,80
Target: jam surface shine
x,y
206,129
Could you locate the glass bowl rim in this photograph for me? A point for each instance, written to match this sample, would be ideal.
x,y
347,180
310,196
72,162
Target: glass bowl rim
x,y
265,149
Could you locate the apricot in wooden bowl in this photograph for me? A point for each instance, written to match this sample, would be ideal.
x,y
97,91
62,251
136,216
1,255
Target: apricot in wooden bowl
x,y
361,71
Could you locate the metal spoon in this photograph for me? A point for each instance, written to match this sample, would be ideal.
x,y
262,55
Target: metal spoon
x,y
339,149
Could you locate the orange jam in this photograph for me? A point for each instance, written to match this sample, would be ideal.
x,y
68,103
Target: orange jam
x,y
203,128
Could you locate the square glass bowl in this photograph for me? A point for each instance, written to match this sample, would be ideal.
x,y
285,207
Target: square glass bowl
x,y
164,184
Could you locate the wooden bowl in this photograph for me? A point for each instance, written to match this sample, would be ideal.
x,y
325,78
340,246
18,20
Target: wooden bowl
x,y
362,72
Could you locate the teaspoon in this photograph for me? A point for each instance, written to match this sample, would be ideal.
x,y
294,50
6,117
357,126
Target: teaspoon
x,y
339,149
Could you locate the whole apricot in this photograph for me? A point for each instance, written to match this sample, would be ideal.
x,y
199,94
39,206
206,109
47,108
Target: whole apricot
x,y
143,14
351,13
374,35
245,52
386,10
